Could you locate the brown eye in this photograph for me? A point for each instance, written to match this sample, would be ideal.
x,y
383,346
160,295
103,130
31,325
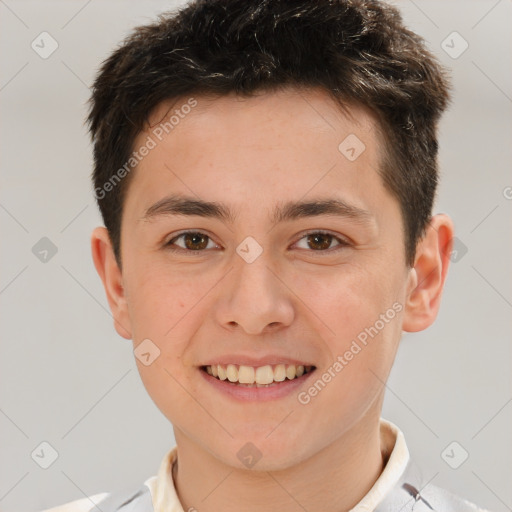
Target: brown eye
x,y
319,241
191,241
195,241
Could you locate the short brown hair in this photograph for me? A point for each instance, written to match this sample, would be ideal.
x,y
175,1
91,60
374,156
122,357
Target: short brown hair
x,y
358,51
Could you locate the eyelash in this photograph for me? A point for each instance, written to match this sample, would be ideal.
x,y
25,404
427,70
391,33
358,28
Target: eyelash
x,y
342,243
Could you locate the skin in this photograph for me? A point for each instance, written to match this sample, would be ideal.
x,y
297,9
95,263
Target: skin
x,y
253,155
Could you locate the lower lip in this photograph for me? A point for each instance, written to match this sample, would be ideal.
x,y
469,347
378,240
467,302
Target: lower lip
x,y
255,394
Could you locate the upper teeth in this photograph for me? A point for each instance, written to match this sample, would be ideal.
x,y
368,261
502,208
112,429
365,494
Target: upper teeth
x,y
259,375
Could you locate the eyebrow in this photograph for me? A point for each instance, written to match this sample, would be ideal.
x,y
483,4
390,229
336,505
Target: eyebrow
x,y
291,210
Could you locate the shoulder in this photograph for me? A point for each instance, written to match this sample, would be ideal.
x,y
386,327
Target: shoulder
x,y
130,499
82,505
412,493
407,498
444,501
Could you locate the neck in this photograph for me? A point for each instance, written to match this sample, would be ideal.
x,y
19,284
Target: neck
x,y
335,479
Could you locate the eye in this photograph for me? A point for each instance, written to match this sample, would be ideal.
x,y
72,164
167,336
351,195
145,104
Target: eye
x,y
196,241
321,241
191,241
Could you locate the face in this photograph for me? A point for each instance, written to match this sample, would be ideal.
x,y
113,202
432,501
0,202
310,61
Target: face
x,y
255,234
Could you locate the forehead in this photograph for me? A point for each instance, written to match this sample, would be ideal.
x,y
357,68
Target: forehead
x,y
287,141
303,111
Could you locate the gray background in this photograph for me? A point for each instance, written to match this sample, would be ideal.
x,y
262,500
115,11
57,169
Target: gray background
x,y
68,379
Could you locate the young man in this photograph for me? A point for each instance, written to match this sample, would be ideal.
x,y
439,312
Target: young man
x,y
266,173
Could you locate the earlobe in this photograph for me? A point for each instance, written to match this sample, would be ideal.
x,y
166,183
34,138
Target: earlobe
x,y
111,276
428,276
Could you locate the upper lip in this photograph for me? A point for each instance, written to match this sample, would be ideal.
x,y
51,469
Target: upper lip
x,y
240,359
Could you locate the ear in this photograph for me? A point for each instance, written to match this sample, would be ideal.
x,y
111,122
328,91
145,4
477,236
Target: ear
x,y
111,276
428,275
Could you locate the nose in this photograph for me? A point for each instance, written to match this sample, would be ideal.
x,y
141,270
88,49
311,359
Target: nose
x,y
254,298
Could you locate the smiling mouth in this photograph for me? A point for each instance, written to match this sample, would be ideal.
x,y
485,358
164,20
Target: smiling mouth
x,y
261,376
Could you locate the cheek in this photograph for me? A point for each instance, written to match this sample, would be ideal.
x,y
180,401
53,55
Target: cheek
x,y
165,383
362,335
358,313
161,299
346,301
162,310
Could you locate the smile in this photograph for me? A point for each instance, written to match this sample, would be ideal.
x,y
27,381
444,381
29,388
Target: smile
x,y
260,376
